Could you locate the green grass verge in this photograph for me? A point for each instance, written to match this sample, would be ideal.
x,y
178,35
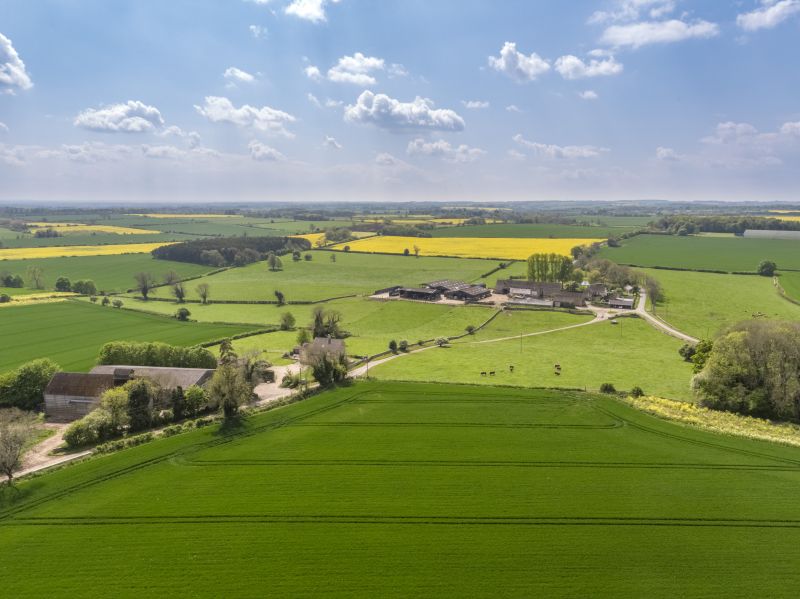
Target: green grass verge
x,y
790,281
71,333
110,273
730,254
628,354
701,304
398,490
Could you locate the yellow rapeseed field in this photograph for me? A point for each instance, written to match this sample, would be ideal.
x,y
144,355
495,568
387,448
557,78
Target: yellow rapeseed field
x,y
312,237
78,250
466,247
79,228
790,218
154,215
47,297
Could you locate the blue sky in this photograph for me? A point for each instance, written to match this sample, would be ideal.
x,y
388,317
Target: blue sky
x,y
230,100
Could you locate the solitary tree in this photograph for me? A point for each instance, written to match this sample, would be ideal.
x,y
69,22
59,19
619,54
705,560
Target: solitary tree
x,y
767,268
229,390
16,431
303,336
393,346
144,283
35,277
287,321
117,303
171,277
183,314
63,284
296,256
179,291
227,356
203,291
141,394
274,262
280,297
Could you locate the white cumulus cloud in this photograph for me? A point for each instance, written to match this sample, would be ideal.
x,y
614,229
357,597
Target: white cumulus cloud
x,y
234,74
444,150
572,67
769,15
264,153
562,152
588,95
13,75
394,115
313,73
475,104
518,66
309,10
356,69
132,116
330,142
270,120
631,10
636,35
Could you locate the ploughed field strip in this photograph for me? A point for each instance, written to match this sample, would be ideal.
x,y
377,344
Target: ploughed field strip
x,y
390,489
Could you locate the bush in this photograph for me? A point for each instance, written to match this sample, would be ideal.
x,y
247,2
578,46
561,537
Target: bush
x,y
393,346
183,314
403,346
767,268
84,287
637,392
105,301
194,400
24,387
96,426
63,284
155,354
607,388
117,303
4,298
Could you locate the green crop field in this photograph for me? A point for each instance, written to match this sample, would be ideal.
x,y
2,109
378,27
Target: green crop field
x,y
731,254
91,239
790,281
71,333
110,273
531,231
634,222
407,490
351,274
628,354
701,304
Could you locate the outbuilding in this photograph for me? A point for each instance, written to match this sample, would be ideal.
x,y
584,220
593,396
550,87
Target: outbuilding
x,y
621,303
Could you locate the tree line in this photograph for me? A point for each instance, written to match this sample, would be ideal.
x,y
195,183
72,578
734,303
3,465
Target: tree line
x,y
229,251
688,225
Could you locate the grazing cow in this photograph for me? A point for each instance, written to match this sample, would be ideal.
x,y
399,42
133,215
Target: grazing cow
x,y
557,373
557,366
511,368
491,373
483,373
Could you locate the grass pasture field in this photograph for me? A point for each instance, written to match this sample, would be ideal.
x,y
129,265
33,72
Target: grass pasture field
x,y
71,333
465,247
110,273
351,273
730,254
628,354
399,490
701,304
790,281
533,230
372,323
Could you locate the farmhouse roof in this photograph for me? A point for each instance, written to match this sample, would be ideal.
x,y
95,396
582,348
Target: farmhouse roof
x,y
167,377
474,290
448,285
420,290
79,384
540,286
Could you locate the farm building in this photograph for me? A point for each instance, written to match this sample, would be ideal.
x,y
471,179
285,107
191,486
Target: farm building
x,y
526,288
71,395
334,347
621,303
471,293
420,293
569,299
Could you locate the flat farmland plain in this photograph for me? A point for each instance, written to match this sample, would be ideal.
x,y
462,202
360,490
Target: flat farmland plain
x,y
110,273
631,353
350,274
729,254
534,230
398,490
71,333
702,304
